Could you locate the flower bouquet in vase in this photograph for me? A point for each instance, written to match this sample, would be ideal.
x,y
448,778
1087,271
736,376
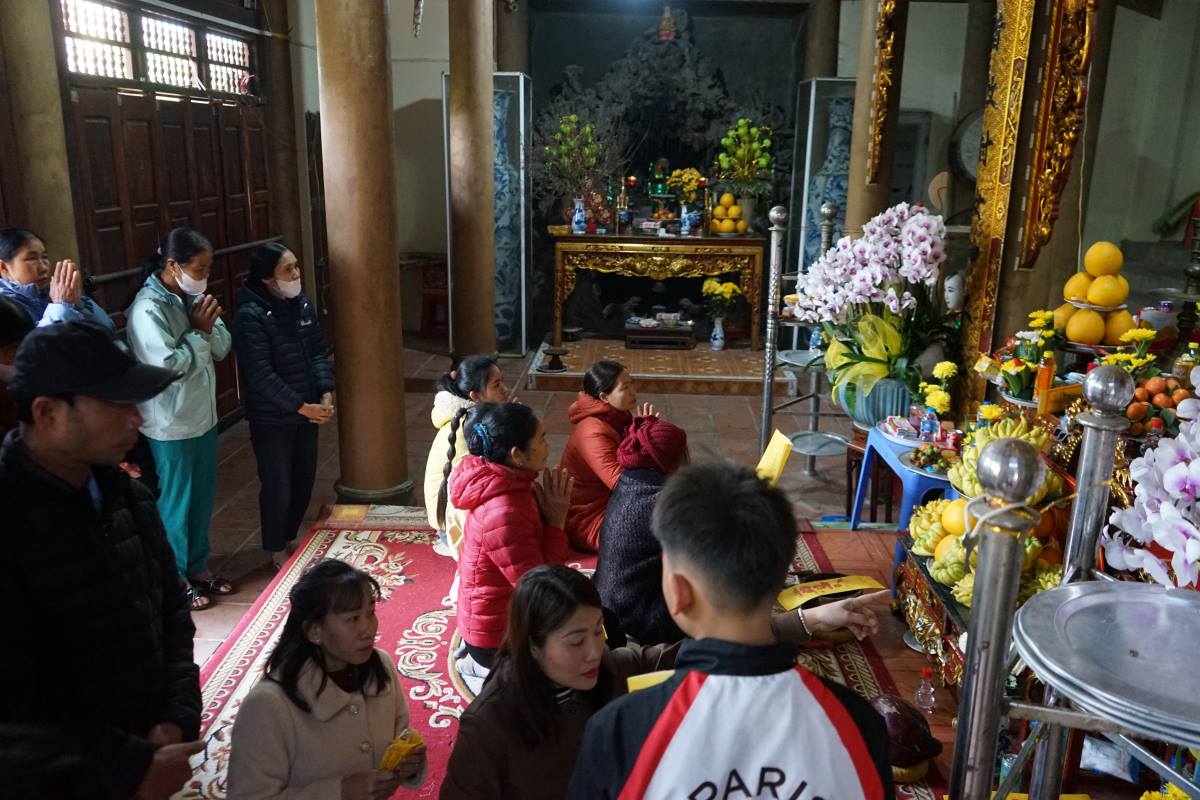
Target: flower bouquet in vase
x,y
720,299
874,300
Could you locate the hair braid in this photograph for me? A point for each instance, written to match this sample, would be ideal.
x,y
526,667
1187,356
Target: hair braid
x,y
444,490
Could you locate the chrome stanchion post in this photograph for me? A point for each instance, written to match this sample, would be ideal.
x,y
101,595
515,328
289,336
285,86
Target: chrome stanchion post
x,y
828,214
779,218
1010,470
1109,390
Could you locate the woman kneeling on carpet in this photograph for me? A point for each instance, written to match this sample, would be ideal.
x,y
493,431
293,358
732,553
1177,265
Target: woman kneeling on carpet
x,y
319,721
601,416
514,523
476,379
520,736
629,570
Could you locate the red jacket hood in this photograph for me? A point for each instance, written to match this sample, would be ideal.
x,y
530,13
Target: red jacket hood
x,y
587,406
477,480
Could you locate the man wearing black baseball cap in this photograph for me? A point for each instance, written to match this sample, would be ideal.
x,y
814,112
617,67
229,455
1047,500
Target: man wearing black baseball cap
x,y
99,644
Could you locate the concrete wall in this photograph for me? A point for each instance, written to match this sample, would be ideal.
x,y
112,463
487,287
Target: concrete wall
x,y
933,57
1148,152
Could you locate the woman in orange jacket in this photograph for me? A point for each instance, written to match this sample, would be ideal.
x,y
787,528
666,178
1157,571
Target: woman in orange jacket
x,y
601,415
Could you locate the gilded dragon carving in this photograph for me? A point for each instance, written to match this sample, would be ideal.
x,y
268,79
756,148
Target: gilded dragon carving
x,y
885,42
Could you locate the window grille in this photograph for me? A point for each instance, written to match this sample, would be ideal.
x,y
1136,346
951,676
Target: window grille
x,y
97,40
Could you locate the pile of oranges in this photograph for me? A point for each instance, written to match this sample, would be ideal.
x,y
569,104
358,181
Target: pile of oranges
x,y
727,216
1100,284
1153,398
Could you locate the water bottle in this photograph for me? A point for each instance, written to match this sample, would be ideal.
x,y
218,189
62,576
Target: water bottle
x,y
980,420
930,426
924,697
815,339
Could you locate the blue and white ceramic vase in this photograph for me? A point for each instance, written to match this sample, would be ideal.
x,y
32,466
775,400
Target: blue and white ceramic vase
x,y
717,338
508,225
832,181
689,221
579,218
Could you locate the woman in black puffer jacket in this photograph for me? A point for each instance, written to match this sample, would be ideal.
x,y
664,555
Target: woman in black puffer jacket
x,y
287,381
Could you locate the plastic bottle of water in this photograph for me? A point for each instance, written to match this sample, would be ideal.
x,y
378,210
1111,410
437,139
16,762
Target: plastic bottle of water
x,y
815,339
929,426
924,697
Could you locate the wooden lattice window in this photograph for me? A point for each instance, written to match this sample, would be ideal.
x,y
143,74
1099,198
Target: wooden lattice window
x,y
130,45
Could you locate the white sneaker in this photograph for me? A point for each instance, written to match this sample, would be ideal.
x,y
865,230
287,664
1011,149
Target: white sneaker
x,y
473,673
442,545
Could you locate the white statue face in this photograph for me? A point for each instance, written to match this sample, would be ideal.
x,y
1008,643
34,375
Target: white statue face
x,y
953,291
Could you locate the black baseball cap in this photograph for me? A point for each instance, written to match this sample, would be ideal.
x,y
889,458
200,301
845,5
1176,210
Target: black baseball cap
x,y
84,358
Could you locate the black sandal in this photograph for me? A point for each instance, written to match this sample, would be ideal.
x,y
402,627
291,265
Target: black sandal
x,y
214,585
198,601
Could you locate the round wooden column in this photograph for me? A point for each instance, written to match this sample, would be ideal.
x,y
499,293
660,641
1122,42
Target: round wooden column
x,y
356,134
821,38
472,187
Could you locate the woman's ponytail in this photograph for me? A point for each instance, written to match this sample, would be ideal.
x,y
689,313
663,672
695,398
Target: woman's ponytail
x,y
444,490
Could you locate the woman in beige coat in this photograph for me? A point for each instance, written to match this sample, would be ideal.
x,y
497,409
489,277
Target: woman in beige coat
x,y
317,725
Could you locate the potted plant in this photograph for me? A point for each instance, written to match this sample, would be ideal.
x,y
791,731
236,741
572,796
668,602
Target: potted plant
x,y
569,162
874,299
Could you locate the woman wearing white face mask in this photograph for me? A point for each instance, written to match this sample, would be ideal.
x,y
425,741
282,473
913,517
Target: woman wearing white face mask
x,y
287,380
173,323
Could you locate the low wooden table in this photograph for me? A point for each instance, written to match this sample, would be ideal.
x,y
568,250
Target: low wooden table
x,y
680,337
660,258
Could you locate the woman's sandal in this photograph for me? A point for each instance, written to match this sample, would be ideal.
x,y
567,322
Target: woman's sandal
x,y
213,584
198,601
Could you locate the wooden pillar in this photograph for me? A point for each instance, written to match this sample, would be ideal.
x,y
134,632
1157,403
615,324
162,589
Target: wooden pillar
x,y
512,36
30,56
281,122
879,69
821,38
356,133
472,216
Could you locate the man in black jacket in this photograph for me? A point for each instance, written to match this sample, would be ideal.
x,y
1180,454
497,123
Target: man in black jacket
x,y
98,651
739,718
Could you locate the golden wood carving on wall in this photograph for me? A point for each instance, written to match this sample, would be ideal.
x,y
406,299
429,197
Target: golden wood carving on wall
x,y
1059,119
885,43
651,258
998,148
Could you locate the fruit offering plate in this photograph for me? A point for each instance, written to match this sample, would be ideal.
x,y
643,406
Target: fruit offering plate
x,y
1017,401
730,235
1094,307
907,441
938,470
1088,349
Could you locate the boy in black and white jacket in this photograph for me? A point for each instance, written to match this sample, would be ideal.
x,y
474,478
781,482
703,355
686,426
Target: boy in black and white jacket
x,y
739,718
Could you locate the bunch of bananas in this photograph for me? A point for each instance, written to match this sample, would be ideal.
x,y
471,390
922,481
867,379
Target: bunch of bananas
x,y
964,477
925,527
399,749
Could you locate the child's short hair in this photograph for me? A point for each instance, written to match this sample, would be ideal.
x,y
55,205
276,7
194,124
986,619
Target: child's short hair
x,y
734,528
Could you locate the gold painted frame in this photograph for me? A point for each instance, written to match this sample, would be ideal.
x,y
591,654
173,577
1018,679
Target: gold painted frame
x,y
885,56
1069,48
998,148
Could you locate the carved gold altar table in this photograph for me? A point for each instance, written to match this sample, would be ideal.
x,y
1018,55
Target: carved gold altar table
x,y
660,258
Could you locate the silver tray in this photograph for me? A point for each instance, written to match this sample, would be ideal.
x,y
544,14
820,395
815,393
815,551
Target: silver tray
x,y
1127,651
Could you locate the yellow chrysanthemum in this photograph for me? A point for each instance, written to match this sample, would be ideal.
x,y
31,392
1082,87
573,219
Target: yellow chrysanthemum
x,y
1037,323
711,286
990,413
730,288
938,400
945,370
1138,335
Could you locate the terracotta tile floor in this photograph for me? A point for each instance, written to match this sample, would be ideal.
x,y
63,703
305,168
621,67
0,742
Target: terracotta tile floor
x,y
717,426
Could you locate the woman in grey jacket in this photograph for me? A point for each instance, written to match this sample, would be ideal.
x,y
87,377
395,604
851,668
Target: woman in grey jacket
x,y
173,323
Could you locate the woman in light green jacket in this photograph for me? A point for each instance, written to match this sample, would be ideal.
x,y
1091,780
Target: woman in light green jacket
x,y
173,323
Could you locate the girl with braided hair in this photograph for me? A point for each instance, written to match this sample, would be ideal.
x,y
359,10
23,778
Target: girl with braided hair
x,y
515,511
476,379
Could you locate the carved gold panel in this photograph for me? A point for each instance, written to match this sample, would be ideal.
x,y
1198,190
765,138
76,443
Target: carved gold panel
x,y
884,80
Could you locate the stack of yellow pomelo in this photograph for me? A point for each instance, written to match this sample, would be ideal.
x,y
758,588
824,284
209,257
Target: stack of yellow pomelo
x,y
727,216
1100,284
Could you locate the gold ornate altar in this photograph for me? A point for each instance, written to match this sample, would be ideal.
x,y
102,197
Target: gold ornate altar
x,y
660,258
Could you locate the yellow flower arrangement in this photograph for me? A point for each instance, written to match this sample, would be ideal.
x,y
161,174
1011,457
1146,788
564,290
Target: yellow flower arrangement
x,y
686,182
721,298
1136,335
1171,792
945,370
1040,318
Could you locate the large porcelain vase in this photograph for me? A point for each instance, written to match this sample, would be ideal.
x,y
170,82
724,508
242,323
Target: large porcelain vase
x,y
889,397
830,183
508,227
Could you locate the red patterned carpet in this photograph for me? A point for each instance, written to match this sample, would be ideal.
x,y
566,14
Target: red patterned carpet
x,y
416,624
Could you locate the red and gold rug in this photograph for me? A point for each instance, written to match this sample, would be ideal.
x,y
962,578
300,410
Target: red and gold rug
x,y
416,624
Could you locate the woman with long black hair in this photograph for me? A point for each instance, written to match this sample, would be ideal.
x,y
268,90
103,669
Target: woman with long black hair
x,y
330,703
287,384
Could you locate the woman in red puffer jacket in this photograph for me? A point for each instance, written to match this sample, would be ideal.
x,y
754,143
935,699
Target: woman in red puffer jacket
x,y
601,416
514,521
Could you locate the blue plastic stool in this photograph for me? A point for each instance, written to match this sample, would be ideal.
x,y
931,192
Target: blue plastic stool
x,y
916,484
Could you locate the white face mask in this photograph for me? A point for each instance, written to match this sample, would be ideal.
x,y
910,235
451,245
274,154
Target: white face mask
x,y
190,285
288,289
